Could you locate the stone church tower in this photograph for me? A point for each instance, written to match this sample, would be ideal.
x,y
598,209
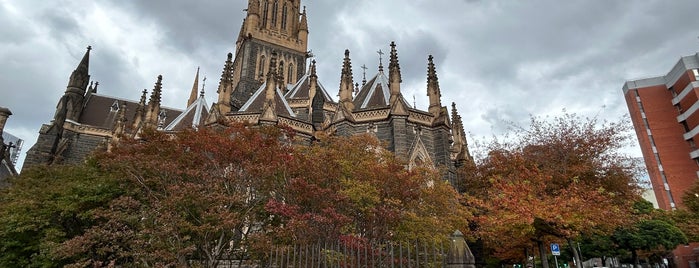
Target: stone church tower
x,y
271,26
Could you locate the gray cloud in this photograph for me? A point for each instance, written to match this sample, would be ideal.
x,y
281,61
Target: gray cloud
x,y
498,60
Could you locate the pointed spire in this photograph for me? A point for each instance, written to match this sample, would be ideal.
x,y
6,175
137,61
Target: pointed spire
x,y
155,96
315,109
272,78
346,83
195,88
153,111
269,107
80,76
433,91
140,112
460,153
304,21
225,86
394,76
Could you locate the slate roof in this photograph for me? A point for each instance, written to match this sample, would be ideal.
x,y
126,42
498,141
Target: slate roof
x,y
257,101
375,94
194,116
101,111
301,89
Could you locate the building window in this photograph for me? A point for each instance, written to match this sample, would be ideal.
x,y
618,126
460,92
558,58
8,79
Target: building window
x,y
291,77
696,74
261,67
265,12
275,8
284,16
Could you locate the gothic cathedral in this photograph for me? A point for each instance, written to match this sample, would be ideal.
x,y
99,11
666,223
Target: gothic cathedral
x,y
265,81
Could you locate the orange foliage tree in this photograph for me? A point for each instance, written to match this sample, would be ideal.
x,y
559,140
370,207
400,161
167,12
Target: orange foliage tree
x,y
350,186
212,194
553,182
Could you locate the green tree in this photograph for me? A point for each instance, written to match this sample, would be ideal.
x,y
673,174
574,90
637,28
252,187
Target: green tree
x,y
46,206
687,217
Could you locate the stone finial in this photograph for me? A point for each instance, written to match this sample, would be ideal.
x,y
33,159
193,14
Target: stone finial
x,y
433,91
346,81
394,76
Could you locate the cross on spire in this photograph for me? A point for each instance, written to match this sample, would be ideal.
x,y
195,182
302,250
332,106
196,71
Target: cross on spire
x,y
203,84
364,68
380,60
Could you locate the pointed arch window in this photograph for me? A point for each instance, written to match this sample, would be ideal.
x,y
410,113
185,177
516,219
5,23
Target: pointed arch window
x,y
261,67
275,9
291,77
265,12
284,16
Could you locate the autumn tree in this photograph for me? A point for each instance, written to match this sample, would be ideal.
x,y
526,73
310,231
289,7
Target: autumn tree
x,y
552,182
197,194
351,186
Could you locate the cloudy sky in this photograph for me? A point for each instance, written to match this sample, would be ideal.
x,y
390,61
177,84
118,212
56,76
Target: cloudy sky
x,y
499,60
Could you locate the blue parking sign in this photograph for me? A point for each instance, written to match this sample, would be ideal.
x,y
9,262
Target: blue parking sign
x,y
555,249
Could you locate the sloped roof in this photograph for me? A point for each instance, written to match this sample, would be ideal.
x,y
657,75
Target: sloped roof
x,y
375,94
301,89
257,101
194,116
101,111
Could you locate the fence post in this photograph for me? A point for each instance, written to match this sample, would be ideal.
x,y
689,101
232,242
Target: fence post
x,y
459,255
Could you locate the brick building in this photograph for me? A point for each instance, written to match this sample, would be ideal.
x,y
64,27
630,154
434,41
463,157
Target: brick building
x,y
664,113
269,79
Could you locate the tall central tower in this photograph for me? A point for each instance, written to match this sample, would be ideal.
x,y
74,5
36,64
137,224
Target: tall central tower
x,y
270,26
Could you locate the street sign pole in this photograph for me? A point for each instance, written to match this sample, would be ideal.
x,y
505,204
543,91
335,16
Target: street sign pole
x,y
556,251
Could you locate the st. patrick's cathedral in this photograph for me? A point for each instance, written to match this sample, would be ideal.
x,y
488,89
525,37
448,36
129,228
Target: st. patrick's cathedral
x,y
268,80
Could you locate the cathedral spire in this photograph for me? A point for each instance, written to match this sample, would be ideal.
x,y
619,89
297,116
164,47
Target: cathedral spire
x,y
70,106
460,153
80,76
140,112
153,109
195,88
433,91
303,26
346,83
394,77
225,86
269,108
317,100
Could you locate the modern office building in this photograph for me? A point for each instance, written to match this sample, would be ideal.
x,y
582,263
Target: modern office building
x,y
665,114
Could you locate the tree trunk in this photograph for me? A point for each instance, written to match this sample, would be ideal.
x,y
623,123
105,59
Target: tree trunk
x,y
634,257
542,254
576,255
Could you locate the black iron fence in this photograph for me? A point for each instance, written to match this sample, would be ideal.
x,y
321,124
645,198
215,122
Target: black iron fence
x,y
360,254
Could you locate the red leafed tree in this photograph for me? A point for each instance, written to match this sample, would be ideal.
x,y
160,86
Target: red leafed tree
x,y
555,181
350,186
197,194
